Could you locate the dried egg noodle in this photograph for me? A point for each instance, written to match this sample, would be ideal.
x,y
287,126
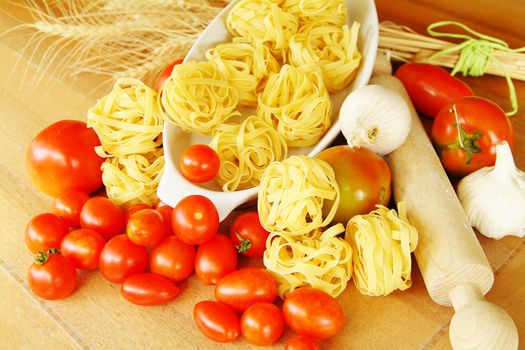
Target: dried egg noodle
x,y
263,21
246,66
321,12
197,97
331,48
134,178
323,261
245,151
127,120
292,194
382,242
297,104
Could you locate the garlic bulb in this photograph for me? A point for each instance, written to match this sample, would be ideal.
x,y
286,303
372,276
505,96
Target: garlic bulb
x,y
382,65
376,118
494,197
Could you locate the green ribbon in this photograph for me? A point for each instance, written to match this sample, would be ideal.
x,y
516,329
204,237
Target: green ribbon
x,y
476,54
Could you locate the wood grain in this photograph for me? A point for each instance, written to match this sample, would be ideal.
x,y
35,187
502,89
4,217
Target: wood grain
x,y
97,317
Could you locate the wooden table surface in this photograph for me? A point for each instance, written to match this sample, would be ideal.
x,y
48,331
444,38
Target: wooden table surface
x,y
97,317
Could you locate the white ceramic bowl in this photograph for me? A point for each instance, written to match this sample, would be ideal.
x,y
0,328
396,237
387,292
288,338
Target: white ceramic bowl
x,y
174,187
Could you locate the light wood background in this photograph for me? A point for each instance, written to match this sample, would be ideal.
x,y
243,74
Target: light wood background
x,y
97,317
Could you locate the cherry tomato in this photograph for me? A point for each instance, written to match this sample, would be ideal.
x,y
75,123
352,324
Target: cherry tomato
x,y
62,157
102,215
248,235
83,247
173,259
166,212
217,321
312,312
146,227
149,289
199,163
301,342
482,125
52,276
431,87
195,220
165,74
133,209
45,231
215,259
245,287
68,205
363,178
262,323
121,258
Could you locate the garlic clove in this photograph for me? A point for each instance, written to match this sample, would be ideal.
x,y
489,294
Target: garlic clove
x,y
376,118
494,197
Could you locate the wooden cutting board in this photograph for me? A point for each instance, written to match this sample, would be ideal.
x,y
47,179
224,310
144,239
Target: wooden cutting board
x,y
97,317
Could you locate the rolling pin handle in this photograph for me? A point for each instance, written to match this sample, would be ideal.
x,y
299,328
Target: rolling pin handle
x,y
478,324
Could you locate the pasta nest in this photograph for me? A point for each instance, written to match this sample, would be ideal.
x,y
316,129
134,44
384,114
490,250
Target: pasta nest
x,y
332,49
245,151
297,104
323,261
292,194
263,21
134,178
246,66
197,97
127,120
382,242
320,12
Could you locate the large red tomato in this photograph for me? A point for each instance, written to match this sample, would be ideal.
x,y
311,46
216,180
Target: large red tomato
x,y
431,87
312,312
466,133
363,178
52,276
62,157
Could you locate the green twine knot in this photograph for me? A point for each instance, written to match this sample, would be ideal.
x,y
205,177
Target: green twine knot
x,y
476,54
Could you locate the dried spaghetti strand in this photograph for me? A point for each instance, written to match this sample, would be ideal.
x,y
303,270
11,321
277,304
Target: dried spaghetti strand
x,y
297,104
292,194
321,260
245,151
382,242
333,49
127,120
197,97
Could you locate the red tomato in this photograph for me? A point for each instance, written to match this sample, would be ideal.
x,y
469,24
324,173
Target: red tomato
x,y
248,235
166,212
146,227
173,259
363,178
102,215
262,323
68,205
52,276
482,125
165,74
45,231
312,312
199,163
245,287
62,157
133,209
149,289
215,259
121,258
301,342
217,321
195,220
83,247
431,87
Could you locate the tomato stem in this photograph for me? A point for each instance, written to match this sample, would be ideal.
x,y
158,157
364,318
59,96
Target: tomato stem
x,y
245,244
466,141
41,258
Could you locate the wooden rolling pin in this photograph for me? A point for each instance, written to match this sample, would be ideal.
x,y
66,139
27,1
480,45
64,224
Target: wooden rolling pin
x,y
454,267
